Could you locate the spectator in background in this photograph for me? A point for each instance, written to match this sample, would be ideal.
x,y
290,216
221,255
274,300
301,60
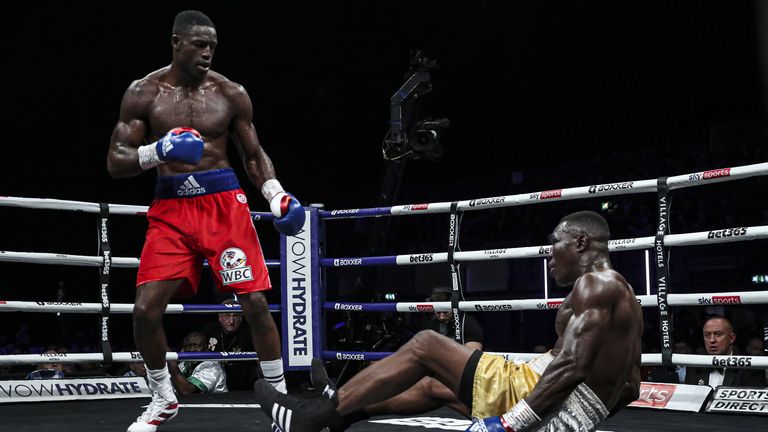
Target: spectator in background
x,y
442,322
190,377
755,348
718,340
231,334
136,369
428,393
675,374
47,370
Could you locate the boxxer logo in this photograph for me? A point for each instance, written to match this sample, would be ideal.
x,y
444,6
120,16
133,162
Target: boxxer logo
x,y
609,187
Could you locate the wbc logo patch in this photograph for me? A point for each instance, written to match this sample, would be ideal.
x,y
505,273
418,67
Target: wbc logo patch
x,y
233,267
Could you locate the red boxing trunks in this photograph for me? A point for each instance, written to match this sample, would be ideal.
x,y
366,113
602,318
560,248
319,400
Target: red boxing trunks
x,y
202,215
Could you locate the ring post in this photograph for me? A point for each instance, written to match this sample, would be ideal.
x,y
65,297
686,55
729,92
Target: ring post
x,y
301,300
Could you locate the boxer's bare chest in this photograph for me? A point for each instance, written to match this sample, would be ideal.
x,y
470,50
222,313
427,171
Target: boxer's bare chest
x,y
204,109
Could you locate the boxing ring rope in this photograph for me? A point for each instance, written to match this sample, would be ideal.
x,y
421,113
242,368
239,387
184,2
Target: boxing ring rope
x,y
605,189
127,357
646,301
89,207
101,262
727,235
119,308
659,242
617,188
80,260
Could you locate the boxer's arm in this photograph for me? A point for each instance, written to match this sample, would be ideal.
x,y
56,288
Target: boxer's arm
x,y
180,382
592,303
475,345
629,393
129,133
257,164
289,213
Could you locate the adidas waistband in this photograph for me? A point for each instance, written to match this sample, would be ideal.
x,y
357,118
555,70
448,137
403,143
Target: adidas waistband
x,y
196,184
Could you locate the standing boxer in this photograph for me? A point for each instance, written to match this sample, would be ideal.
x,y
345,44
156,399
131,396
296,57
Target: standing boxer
x,y
178,120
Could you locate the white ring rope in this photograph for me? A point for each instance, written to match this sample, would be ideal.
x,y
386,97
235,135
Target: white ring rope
x,y
118,357
118,308
701,299
652,359
727,235
65,259
82,206
598,190
607,189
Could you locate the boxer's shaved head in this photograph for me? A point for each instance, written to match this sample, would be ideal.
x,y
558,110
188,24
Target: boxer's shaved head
x,y
590,223
187,19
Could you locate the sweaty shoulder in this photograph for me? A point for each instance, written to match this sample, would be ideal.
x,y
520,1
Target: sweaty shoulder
x,y
235,94
232,90
140,94
605,285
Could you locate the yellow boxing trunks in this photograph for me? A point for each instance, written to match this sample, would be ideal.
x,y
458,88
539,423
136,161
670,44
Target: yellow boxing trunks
x,y
499,384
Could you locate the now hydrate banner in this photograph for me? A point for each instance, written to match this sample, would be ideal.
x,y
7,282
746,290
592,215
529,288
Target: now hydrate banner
x,y
73,389
301,308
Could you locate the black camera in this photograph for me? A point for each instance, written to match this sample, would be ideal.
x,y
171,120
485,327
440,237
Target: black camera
x,y
408,138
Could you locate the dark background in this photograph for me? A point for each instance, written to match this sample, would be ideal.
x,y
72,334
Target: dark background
x,y
541,95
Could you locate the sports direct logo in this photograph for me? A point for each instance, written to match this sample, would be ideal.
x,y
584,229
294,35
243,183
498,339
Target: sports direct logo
x,y
733,299
654,395
713,174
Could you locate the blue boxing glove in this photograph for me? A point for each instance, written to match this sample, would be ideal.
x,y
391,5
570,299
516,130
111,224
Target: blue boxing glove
x,y
181,144
288,211
488,424
520,418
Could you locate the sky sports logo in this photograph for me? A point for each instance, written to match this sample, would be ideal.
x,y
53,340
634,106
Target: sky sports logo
x,y
715,300
412,207
711,174
556,193
655,395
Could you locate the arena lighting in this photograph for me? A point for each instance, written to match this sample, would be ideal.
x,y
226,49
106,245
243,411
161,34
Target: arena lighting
x,y
609,206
